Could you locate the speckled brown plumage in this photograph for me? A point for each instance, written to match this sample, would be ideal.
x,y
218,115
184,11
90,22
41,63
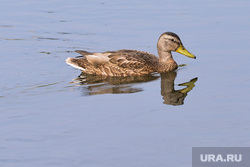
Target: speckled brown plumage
x,y
121,63
130,62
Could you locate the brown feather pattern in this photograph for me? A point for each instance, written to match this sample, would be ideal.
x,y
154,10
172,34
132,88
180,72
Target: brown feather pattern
x,y
131,62
121,63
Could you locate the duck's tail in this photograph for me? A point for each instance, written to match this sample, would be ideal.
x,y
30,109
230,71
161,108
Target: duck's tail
x,y
77,63
80,62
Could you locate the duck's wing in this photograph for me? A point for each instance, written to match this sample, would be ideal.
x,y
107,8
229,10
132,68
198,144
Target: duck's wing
x,y
121,58
95,59
133,59
83,53
116,63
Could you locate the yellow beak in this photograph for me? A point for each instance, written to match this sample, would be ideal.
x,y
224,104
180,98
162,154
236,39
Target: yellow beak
x,y
184,51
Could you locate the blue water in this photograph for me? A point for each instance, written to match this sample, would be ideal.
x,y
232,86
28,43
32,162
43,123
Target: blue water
x,y
50,118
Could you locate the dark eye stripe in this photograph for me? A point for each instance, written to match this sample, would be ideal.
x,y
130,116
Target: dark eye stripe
x,y
174,41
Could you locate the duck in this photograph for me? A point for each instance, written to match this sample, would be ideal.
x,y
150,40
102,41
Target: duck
x,y
127,62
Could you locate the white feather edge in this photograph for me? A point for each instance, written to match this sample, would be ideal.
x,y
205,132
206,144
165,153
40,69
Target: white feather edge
x,y
73,65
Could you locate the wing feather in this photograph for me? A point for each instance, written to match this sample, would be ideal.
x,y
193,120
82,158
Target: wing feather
x,y
133,59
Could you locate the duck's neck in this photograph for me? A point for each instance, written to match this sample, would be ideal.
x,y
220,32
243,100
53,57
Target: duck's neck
x,y
166,61
165,57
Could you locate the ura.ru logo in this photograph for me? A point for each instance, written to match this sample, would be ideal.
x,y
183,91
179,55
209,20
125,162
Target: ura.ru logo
x,y
220,158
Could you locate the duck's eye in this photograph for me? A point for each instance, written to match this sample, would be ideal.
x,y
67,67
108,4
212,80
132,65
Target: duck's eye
x,y
172,40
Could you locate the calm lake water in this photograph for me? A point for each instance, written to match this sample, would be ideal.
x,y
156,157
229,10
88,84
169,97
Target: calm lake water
x,y
50,117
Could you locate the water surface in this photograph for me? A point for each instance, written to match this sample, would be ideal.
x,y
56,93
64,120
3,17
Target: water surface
x,y
50,117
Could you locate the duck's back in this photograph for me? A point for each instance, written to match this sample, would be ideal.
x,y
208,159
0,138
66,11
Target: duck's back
x,y
116,63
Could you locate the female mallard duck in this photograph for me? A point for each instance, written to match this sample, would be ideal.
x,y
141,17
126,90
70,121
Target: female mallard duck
x,y
132,62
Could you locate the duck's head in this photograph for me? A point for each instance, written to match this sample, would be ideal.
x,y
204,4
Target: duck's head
x,y
170,41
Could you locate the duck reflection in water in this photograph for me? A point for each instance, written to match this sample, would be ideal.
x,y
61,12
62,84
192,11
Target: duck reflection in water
x,y
168,92
95,85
